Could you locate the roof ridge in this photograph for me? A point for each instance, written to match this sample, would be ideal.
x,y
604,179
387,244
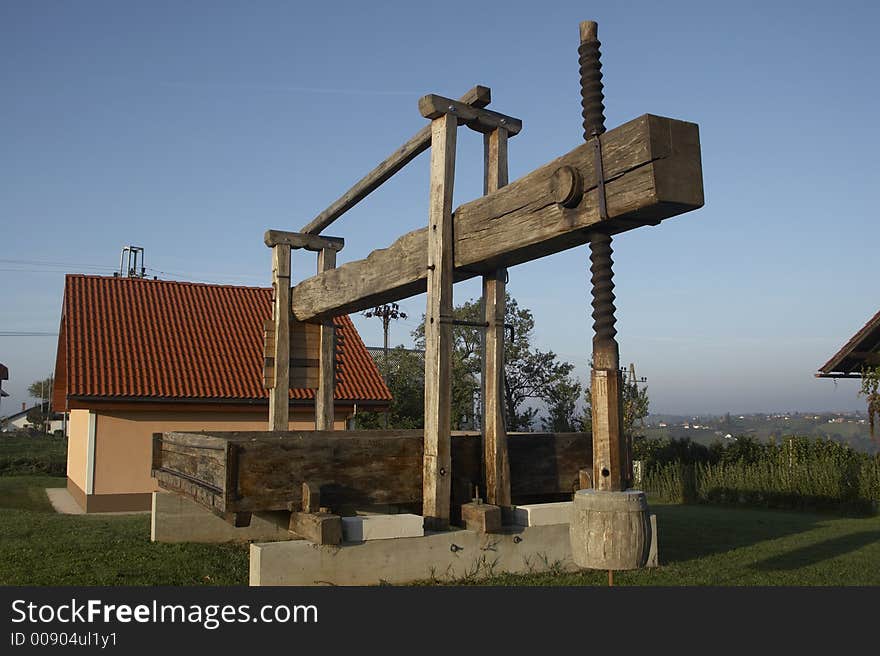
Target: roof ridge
x,y
166,281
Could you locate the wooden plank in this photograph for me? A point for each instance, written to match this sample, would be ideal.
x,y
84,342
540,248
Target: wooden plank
x,y
303,240
482,120
364,468
324,413
320,528
497,467
279,395
437,475
479,96
653,171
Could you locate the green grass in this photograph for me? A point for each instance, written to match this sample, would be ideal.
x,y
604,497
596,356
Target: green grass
x,y
711,546
700,545
21,453
40,547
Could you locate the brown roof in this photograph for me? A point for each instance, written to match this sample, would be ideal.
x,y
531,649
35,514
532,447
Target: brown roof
x,y
861,349
130,338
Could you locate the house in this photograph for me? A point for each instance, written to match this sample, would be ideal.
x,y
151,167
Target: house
x,y
4,375
862,349
137,357
20,421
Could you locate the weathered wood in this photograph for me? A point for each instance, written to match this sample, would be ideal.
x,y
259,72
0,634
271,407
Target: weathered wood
x,y
320,528
238,519
609,458
479,96
279,395
497,467
653,171
482,120
303,240
356,468
324,413
437,475
585,479
311,497
481,517
610,530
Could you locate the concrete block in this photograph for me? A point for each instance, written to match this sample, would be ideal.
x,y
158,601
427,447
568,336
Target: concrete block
x,y
543,514
444,556
178,519
382,527
481,517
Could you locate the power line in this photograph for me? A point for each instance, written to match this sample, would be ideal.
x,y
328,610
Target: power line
x,y
32,333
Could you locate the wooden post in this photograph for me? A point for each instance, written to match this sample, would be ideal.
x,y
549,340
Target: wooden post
x,y
324,413
279,395
437,464
497,467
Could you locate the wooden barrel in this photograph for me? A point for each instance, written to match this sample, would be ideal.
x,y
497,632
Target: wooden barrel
x,y
610,530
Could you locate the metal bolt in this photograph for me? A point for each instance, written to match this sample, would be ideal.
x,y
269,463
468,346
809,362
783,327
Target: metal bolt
x,y
452,108
503,121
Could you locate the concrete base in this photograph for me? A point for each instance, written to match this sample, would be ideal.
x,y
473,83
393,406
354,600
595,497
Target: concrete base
x,y
64,502
542,514
381,527
444,556
178,519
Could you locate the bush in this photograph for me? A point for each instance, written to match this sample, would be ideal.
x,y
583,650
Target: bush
x,y
799,473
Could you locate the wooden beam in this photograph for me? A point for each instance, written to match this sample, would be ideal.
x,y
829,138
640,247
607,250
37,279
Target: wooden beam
x,y
479,96
437,474
482,120
497,467
354,468
653,171
279,395
318,527
304,241
324,413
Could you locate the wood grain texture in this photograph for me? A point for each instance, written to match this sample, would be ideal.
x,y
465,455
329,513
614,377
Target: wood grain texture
x,y
482,120
653,171
437,474
324,413
279,398
357,468
478,96
497,467
303,240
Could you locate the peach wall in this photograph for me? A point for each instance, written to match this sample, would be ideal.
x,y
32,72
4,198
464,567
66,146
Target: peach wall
x,y
77,445
124,441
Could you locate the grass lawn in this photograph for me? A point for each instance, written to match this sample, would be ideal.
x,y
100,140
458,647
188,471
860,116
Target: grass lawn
x,y
699,545
21,453
40,547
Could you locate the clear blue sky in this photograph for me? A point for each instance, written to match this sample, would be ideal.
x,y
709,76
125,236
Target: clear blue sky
x,y
189,128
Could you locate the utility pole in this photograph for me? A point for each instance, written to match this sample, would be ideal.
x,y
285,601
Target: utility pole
x,y
386,312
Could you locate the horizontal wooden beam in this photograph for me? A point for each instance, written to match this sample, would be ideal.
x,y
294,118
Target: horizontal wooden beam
x,y
482,120
479,96
652,169
302,240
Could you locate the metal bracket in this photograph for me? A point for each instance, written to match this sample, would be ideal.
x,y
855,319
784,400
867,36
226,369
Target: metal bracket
x,y
600,177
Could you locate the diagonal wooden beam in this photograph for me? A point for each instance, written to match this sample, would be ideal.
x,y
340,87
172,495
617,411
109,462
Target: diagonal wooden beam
x,y
652,169
479,97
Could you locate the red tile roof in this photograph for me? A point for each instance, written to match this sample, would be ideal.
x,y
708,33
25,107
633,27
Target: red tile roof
x,y
130,338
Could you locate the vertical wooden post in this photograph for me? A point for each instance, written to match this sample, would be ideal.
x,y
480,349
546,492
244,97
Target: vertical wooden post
x,y
437,474
497,467
279,395
324,413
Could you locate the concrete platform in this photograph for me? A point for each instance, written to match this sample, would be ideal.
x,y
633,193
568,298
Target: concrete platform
x,y
542,514
444,556
178,519
63,502
382,527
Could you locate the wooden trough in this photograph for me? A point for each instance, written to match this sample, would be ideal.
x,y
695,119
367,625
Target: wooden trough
x,y
234,473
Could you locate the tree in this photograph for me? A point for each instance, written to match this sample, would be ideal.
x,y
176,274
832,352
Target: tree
x,y
635,406
562,415
529,373
405,377
42,390
869,389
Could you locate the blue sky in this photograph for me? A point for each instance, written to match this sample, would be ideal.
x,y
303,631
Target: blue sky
x,y
189,128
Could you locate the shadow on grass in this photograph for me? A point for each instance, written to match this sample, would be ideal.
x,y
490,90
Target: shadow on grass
x,y
819,552
688,532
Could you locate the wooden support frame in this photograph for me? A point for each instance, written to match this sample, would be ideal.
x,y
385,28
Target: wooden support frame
x,y
279,394
437,466
482,120
324,412
305,241
478,96
652,170
495,459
